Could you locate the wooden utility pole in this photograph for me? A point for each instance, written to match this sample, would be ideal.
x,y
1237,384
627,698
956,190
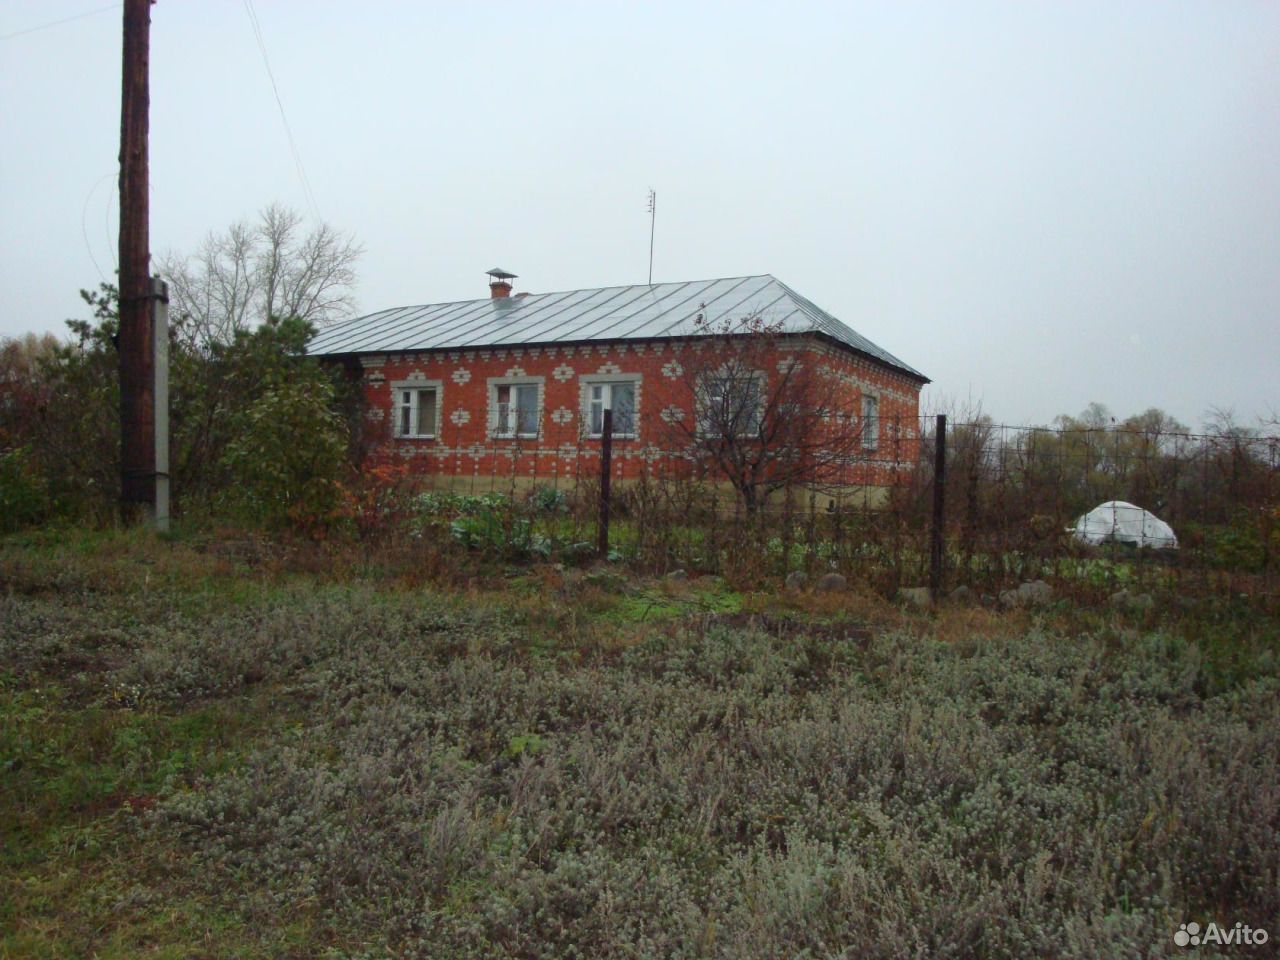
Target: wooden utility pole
x,y
136,344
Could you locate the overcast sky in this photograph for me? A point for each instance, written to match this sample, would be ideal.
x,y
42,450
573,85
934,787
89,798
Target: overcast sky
x,y
1037,205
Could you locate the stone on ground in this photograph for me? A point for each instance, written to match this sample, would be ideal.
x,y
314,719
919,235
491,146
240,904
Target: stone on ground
x,y
918,597
831,583
796,581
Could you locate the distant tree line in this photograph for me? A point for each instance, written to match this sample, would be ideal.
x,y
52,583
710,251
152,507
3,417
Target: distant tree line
x,y
1020,484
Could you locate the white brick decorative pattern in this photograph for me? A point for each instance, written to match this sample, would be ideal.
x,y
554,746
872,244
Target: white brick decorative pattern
x,y
460,417
376,414
416,375
515,372
671,415
563,373
608,368
672,370
461,376
787,364
562,416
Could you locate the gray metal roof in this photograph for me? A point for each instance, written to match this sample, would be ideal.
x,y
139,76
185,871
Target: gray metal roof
x,y
640,312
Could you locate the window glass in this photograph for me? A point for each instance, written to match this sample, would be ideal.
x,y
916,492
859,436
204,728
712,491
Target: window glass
x,y
870,422
504,411
621,398
597,409
406,413
527,402
415,413
516,410
426,413
732,406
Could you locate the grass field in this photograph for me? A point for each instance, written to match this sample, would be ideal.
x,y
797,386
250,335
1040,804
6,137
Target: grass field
x,y
219,748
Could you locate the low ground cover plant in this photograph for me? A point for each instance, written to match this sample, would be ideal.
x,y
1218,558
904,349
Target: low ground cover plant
x,y
312,765
500,525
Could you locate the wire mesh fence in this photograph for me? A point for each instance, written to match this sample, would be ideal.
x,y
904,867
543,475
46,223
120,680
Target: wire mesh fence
x,y
1011,497
1015,495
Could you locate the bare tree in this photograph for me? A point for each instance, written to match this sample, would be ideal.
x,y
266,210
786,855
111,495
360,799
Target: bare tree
x,y
1223,424
770,412
255,271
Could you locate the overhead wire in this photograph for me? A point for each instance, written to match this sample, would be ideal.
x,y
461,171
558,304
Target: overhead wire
x,y
58,23
84,226
284,119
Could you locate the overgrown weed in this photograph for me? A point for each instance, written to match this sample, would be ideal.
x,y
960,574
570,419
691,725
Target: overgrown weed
x,y
545,760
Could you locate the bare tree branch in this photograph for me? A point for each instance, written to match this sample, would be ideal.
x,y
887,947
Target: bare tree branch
x,y
252,272
770,412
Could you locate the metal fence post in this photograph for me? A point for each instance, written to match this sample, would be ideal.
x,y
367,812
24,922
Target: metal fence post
x,y
937,549
606,463
160,393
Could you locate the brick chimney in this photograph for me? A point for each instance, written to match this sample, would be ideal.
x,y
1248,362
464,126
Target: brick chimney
x,y
500,283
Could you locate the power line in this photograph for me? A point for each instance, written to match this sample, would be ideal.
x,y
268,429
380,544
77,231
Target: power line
x,y
84,226
293,146
58,23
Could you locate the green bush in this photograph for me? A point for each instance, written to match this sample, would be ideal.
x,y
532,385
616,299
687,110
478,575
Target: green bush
x,y
288,458
547,500
1239,545
496,525
24,496
501,532
255,426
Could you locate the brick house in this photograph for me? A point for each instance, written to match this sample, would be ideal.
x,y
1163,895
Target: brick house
x,y
486,393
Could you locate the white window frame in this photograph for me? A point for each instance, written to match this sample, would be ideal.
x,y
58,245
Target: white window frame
x,y
609,380
398,387
513,382
753,428
870,421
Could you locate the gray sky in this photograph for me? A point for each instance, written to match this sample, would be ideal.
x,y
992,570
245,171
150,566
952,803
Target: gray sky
x,y
1038,205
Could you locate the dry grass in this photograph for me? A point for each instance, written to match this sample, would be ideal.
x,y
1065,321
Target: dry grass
x,y
205,737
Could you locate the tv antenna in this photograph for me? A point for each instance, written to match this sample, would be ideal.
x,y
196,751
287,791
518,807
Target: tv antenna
x,y
653,216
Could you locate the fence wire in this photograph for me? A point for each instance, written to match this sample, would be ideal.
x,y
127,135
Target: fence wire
x,y
1012,497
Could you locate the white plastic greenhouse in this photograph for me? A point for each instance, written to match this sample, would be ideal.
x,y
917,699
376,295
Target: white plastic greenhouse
x,y
1120,522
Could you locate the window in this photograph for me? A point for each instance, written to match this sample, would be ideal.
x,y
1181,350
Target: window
x,y
516,410
619,396
870,421
732,406
416,409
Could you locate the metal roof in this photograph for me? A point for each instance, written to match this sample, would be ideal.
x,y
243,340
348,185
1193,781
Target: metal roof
x,y
640,312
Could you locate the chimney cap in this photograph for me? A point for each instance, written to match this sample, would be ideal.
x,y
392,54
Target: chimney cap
x,y
499,274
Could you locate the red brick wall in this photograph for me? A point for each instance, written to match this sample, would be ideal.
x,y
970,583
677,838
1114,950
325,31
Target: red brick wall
x,y
465,448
